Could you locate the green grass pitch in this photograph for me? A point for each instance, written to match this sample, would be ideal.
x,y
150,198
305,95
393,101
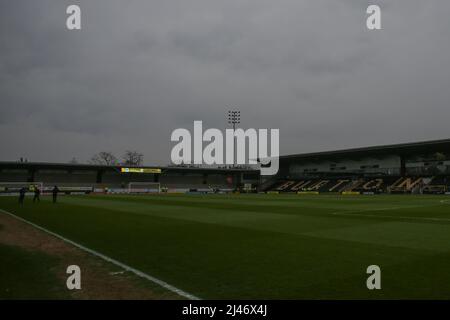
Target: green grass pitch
x,y
27,273
265,246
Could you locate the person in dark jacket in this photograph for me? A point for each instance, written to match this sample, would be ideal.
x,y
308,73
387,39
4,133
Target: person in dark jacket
x,y
55,193
22,192
37,194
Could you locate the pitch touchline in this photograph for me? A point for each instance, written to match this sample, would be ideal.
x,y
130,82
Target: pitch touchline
x,y
389,217
349,213
111,260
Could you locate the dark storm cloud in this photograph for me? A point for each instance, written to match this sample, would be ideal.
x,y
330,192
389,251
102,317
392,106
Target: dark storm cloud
x,y
137,71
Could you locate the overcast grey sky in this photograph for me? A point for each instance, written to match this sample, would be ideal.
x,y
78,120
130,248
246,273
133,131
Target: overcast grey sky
x,y
140,69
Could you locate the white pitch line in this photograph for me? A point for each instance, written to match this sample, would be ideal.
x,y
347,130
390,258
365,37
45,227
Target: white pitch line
x,y
111,260
356,213
388,217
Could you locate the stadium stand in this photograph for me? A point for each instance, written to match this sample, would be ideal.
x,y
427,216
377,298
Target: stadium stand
x,y
422,167
75,178
361,185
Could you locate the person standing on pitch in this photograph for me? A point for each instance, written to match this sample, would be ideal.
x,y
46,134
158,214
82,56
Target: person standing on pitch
x,y
37,194
55,193
22,192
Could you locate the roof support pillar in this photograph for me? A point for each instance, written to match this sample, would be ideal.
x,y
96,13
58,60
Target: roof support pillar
x,y
402,166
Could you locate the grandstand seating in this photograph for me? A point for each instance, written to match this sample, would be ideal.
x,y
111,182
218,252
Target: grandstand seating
x,y
316,185
438,185
364,185
407,185
74,181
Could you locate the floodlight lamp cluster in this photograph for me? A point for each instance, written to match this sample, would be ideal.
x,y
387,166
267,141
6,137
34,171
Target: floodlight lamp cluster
x,y
234,117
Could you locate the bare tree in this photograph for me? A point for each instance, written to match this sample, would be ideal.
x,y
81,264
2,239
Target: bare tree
x,y
133,158
73,161
104,158
440,156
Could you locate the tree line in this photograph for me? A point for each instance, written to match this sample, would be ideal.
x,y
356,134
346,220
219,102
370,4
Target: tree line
x,y
129,158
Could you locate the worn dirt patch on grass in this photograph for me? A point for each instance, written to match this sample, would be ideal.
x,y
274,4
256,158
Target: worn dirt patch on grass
x,y
99,279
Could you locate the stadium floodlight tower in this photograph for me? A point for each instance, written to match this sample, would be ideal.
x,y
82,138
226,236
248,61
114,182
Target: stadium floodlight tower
x,y
234,118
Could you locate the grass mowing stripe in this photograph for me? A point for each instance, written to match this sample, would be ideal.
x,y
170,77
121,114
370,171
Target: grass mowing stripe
x,y
108,259
285,211
295,203
271,225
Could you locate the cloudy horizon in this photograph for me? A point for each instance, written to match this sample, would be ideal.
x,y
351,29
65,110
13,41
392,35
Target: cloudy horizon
x,y
136,72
